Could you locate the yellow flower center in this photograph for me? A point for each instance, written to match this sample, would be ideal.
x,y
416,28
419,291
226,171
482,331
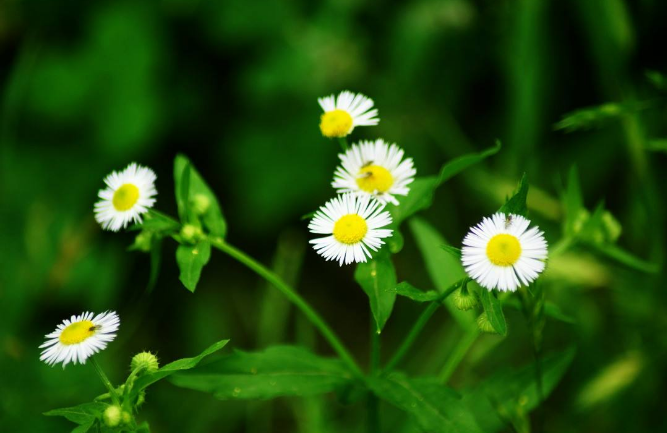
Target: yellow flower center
x,y
375,178
77,332
336,123
125,197
350,229
503,250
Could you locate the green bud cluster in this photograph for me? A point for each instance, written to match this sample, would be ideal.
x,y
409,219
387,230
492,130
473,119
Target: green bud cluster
x,y
191,233
144,362
112,416
484,325
464,299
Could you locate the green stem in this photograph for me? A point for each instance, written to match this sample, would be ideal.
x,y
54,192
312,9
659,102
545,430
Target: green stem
x,y
105,380
420,323
456,356
373,412
343,143
293,297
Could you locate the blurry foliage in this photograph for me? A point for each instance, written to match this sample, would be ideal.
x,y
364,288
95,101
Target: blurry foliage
x,y
89,86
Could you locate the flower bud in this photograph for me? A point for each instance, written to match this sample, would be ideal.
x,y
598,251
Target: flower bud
x,y
464,299
580,220
484,325
191,233
611,227
143,241
200,204
126,417
146,362
141,398
111,416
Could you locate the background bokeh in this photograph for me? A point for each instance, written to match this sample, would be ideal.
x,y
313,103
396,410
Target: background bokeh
x,y
87,87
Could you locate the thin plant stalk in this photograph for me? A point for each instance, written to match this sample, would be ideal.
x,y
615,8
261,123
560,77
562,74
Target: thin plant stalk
x,y
373,409
296,299
105,380
419,325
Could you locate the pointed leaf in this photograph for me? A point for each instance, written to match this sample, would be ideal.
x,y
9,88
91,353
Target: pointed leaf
x,y
443,269
436,408
494,311
191,260
409,291
457,165
277,371
174,367
378,279
455,252
518,387
82,414
155,221
422,189
189,185
517,203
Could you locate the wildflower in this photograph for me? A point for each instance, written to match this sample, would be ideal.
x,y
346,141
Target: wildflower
x,y
80,337
342,114
501,253
129,194
374,168
353,225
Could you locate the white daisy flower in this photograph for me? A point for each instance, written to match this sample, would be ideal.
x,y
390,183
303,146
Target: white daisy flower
x,y
342,114
374,168
80,337
353,225
129,194
501,253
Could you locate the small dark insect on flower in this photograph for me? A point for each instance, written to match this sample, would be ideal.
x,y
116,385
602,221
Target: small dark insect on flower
x,y
367,164
93,328
508,221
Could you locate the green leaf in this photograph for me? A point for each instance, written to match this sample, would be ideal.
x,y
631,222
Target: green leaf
x,y
422,189
508,388
277,371
419,198
457,165
191,260
155,221
182,188
619,255
455,252
517,203
84,428
190,184
494,311
409,291
443,269
377,278
83,414
436,408
592,117
173,367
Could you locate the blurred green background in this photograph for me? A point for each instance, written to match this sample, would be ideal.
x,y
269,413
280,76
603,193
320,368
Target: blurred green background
x,y
87,87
